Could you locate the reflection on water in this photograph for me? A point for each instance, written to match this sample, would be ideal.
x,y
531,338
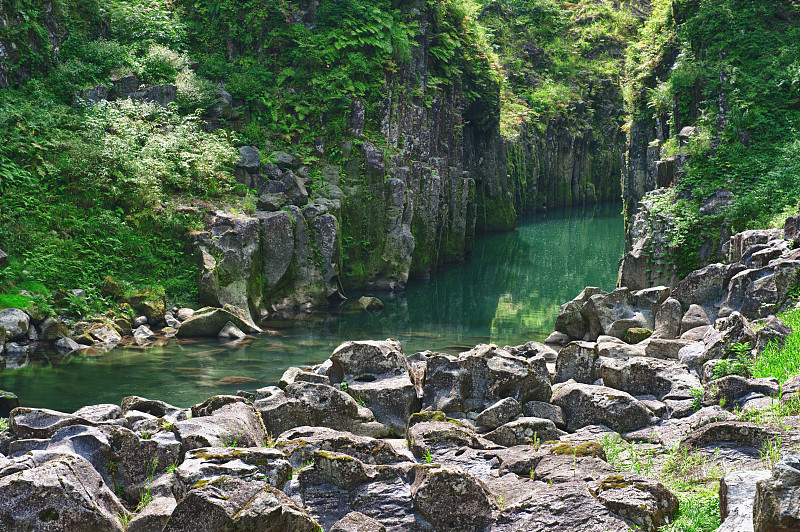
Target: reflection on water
x,y
508,293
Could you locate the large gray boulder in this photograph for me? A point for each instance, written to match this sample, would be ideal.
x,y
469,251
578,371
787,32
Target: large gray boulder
x,y
311,404
234,424
777,504
41,422
706,286
737,492
251,464
64,493
643,501
367,361
613,314
476,379
499,413
357,522
561,507
668,319
16,323
576,361
585,404
525,430
210,321
300,444
649,376
570,321
230,503
452,499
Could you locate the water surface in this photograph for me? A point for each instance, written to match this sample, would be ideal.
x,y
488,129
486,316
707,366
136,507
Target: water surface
x,y
508,293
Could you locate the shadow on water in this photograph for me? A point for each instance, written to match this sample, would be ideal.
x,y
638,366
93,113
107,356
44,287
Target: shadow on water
x,y
508,293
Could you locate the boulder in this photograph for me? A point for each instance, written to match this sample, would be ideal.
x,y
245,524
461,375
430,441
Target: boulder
x,y
153,306
742,432
210,321
52,330
154,516
668,319
643,501
184,314
8,402
231,331
392,400
295,374
585,404
561,507
153,407
41,422
64,492
544,411
706,286
300,444
773,332
230,503
357,522
90,443
613,314
499,413
143,336
525,430
103,333
3,259
696,316
367,361
451,499
576,361
570,322
777,503
737,491
430,436
311,404
234,424
611,347
251,464
15,322
249,159
727,390
643,375
478,378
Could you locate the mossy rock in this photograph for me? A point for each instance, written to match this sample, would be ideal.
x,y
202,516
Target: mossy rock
x,y
424,417
614,482
587,449
637,334
112,288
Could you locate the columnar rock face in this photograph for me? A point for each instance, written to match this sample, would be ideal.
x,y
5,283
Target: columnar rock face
x,y
400,207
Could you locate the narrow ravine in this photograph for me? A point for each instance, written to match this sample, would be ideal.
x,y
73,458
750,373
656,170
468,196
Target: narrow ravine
x,y
509,293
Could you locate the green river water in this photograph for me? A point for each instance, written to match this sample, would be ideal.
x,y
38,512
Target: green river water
x,y
508,293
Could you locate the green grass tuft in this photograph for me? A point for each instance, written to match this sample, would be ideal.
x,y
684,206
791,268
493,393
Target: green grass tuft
x,y
781,363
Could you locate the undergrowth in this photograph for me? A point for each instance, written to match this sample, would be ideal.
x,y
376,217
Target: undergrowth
x,y
783,362
730,69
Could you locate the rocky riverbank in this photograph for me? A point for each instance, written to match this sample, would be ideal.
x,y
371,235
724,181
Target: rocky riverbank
x,y
495,438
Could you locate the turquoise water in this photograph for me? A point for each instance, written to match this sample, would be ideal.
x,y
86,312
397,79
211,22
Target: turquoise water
x,y
508,293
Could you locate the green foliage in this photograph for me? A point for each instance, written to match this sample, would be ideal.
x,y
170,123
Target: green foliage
x,y
556,56
729,68
696,513
85,185
781,363
299,79
726,367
